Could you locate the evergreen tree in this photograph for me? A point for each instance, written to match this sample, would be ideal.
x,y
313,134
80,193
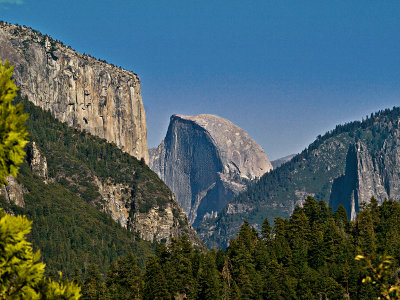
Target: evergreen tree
x,y
266,230
155,284
209,278
124,279
366,234
93,286
341,217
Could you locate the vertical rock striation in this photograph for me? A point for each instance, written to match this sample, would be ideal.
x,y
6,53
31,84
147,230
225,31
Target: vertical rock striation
x,y
37,161
369,173
206,160
82,91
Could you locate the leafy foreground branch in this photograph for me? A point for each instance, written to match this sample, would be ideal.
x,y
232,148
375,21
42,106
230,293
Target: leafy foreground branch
x,y
21,273
381,274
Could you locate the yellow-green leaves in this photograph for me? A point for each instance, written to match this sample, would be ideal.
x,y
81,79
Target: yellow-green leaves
x,y
381,276
13,134
21,273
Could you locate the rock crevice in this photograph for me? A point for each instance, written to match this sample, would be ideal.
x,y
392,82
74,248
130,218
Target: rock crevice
x,y
206,160
369,173
84,92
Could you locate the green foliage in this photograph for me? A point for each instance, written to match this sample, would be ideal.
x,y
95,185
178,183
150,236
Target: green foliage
x,y
13,134
124,279
380,274
155,283
308,256
21,273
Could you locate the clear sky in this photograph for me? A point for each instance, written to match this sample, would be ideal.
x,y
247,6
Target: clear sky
x,y
284,71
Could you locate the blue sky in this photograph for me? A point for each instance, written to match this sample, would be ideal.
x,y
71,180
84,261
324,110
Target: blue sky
x,y
284,71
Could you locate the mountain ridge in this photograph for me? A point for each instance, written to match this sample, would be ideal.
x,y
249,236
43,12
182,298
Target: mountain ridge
x,y
310,173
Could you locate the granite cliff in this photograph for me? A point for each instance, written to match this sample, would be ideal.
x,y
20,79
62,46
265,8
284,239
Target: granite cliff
x,y
206,160
347,166
80,90
369,173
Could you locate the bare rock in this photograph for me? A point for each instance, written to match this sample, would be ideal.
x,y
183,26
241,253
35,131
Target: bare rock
x,y
369,173
37,161
82,91
13,191
206,160
115,198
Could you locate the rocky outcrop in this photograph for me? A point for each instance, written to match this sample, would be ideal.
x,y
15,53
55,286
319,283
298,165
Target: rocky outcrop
x,y
206,160
82,91
162,224
158,224
37,161
13,191
369,173
114,197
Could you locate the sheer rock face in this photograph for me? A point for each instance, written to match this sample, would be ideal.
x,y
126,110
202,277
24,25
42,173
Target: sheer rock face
x,y
79,90
206,160
37,161
368,174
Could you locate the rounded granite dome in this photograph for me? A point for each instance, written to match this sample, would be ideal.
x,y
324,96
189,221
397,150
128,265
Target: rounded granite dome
x,y
239,153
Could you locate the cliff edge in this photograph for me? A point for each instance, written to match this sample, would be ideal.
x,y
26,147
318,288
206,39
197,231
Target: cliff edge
x,y
79,90
206,160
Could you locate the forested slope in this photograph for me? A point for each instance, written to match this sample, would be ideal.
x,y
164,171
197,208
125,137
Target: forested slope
x,y
310,255
72,216
312,172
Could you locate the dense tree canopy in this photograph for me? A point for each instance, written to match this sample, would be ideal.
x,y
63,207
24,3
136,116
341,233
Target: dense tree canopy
x,y
310,255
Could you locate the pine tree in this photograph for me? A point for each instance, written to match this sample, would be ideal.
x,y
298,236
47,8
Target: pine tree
x,y
155,283
226,279
341,217
124,279
366,234
93,286
209,279
266,230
